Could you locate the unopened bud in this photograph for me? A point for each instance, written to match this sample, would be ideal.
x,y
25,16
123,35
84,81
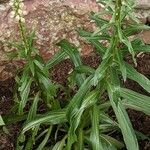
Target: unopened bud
x,y
22,19
17,18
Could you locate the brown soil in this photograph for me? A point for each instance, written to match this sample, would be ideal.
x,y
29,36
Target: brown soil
x,y
140,121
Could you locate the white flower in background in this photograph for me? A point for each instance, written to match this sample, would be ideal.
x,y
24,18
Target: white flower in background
x,y
18,10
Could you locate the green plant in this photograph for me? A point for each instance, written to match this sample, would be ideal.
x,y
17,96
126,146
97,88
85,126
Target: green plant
x,y
33,84
106,78
84,122
1,121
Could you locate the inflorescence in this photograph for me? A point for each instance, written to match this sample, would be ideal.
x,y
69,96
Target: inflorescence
x,y
18,10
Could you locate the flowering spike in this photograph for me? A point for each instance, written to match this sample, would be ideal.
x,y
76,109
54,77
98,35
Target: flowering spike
x,y
17,10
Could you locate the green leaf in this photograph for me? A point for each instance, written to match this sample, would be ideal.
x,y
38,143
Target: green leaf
x,y
138,46
74,55
95,135
126,128
41,67
76,101
101,70
125,40
84,69
106,119
47,84
135,28
94,40
135,100
31,65
106,128
112,142
71,51
138,77
123,119
13,118
143,48
33,109
24,79
31,38
99,21
23,83
122,66
43,143
75,114
53,117
80,133
89,35
102,29
31,139
111,48
1,121
99,47
59,145
90,99
114,76
24,96
57,58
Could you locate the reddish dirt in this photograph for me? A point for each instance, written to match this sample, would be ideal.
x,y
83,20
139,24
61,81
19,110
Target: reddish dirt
x,y
140,121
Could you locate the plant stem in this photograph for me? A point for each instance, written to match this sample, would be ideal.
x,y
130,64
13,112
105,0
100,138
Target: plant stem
x,y
117,26
23,36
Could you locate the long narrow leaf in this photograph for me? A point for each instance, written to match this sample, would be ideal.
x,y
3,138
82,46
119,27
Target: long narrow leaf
x,y
43,143
24,96
123,119
101,70
59,145
1,121
57,58
136,100
33,109
78,110
73,53
85,69
95,134
76,101
54,117
138,77
114,144
122,66
126,128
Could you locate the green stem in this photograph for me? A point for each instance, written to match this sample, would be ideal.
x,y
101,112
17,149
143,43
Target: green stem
x,y
23,36
117,26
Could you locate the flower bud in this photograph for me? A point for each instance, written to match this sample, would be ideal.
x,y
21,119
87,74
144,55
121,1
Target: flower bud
x,y
17,18
21,5
19,11
22,19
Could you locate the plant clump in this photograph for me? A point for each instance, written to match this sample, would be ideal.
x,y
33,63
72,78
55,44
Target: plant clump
x,y
83,121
